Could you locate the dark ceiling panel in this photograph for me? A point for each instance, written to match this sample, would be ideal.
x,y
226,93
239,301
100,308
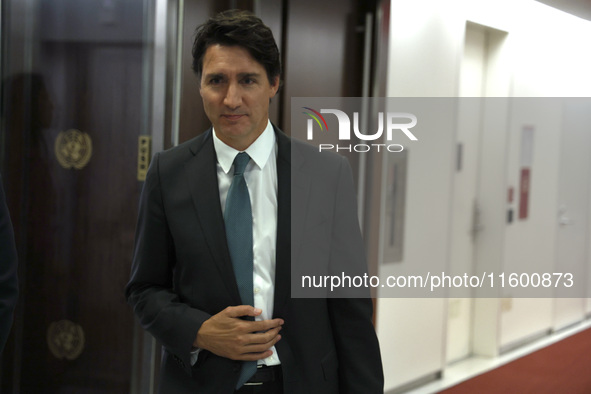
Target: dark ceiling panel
x,y
580,8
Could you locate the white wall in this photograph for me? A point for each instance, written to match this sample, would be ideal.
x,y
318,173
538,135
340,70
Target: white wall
x,y
549,56
414,329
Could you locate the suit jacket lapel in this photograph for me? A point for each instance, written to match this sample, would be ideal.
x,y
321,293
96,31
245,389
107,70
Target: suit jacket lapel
x,y
201,175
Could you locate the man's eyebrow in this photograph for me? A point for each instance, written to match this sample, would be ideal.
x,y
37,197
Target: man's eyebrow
x,y
240,75
214,75
248,75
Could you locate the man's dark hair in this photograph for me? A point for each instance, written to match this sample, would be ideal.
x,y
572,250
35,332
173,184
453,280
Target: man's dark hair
x,y
238,28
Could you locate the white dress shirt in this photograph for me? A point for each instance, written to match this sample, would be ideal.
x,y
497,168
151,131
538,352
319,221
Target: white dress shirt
x,y
261,178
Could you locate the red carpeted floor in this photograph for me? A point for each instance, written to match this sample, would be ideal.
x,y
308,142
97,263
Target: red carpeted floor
x,y
564,367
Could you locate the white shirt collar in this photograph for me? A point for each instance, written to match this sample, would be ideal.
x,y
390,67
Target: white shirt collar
x,y
259,151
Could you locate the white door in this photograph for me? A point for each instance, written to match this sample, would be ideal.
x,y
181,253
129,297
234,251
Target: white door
x,y
573,205
483,73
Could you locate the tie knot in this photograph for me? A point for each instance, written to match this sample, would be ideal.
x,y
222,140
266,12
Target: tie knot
x,y
240,162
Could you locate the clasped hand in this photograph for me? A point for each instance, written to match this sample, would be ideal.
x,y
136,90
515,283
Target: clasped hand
x,y
226,335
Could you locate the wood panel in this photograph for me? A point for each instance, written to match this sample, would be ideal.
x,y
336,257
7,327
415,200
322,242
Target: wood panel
x,y
75,227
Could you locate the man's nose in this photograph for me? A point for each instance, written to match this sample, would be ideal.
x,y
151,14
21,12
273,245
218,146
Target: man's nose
x,y
233,97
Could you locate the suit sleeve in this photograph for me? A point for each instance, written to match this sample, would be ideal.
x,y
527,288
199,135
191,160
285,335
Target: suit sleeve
x,y
360,364
150,290
8,271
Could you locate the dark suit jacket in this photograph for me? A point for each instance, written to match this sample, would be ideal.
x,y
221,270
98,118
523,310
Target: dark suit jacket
x,y
8,268
182,275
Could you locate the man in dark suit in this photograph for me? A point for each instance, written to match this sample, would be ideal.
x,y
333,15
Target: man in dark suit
x,y
188,285
8,266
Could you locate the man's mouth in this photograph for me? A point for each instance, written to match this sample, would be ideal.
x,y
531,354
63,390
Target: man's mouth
x,y
233,117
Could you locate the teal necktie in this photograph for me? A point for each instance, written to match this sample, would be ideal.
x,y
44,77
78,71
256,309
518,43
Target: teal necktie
x,y
238,221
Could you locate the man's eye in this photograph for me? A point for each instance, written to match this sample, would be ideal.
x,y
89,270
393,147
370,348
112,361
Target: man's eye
x,y
248,81
215,81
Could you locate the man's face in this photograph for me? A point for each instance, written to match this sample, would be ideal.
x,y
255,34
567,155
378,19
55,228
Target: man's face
x,y
236,92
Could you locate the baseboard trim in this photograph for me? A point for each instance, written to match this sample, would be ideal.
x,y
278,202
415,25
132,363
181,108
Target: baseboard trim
x,y
415,383
524,341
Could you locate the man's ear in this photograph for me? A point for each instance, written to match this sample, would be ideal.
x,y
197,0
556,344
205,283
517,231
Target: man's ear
x,y
274,86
